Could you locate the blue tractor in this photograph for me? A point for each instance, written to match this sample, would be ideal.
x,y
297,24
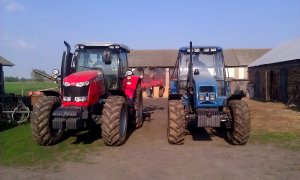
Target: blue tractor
x,y
200,93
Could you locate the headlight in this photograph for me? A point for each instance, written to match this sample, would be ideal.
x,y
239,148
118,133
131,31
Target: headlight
x,y
213,49
196,50
66,84
206,49
80,99
67,99
212,97
201,97
80,84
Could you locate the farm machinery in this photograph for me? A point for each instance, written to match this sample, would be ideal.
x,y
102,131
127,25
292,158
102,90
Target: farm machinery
x,y
96,89
148,87
200,93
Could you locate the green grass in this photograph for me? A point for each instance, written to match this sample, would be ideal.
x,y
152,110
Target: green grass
x,y
25,87
288,140
17,147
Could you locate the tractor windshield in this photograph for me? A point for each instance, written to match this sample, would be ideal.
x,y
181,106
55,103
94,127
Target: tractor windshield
x,y
93,59
208,65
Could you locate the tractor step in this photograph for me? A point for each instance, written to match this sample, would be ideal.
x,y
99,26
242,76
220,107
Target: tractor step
x,y
209,117
67,123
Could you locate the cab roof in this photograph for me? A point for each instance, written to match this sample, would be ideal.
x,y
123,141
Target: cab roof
x,y
104,44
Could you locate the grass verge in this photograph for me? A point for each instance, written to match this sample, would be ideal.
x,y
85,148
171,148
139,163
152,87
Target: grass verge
x,y
24,87
17,147
287,140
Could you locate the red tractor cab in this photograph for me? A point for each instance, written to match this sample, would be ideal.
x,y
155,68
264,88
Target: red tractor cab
x,y
96,89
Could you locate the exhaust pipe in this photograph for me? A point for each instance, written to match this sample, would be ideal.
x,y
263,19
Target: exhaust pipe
x,y
68,46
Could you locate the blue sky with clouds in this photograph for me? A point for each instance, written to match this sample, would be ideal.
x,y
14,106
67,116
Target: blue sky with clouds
x,y
32,31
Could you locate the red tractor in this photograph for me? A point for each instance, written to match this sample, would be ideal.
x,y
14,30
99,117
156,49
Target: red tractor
x,y
96,89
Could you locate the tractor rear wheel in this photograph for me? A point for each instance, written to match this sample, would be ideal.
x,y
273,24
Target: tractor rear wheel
x,y
138,107
239,132
176,122
114,121
41,121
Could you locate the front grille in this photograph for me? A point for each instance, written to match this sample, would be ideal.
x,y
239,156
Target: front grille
x,y
206,89
74,91
209,117
67,112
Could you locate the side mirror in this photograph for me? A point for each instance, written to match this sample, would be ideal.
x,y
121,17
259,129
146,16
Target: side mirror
x,y
106,57
196,72
55,74
55,71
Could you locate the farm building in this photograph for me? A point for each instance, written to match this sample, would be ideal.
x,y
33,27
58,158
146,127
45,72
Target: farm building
x,y
236,62
276,75
161,62
3,62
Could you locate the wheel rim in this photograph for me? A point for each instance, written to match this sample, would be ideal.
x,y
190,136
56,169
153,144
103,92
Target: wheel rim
x,y
20,117
123,121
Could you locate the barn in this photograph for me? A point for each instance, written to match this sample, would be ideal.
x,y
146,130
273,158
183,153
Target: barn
x,y
276,75
162,62
3,62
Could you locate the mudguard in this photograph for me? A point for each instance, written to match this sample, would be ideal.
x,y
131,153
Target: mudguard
x,y
130,84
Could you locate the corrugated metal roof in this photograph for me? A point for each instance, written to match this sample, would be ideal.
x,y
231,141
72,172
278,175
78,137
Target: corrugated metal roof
x,y
167,58
242,57
5,62
152,58
230,58
286,51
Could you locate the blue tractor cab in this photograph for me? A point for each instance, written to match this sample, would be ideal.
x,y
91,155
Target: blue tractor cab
x,y
199,91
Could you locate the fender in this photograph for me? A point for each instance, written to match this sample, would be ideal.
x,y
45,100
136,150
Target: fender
x,y
234,97
51,93
130,84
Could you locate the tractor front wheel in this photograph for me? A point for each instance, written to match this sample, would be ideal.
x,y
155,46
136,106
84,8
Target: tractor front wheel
x,y
176,122
114,121
41,121
239,132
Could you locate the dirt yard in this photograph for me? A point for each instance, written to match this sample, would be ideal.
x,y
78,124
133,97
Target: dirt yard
x,y
147,155
275,117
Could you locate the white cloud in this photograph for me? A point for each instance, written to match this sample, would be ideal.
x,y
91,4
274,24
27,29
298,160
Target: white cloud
x,y
22,44
14,7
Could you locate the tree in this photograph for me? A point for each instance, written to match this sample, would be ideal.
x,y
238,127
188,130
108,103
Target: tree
x,y
11,79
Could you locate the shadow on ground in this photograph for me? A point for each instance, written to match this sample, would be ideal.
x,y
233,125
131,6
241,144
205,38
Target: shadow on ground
x,y
6,126
204,134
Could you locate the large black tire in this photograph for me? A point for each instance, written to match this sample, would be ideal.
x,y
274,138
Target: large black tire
x,y
138,107
114,121
176,122
41,121
239,132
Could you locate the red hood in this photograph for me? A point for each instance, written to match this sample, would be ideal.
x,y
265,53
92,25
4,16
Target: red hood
x,y
82,76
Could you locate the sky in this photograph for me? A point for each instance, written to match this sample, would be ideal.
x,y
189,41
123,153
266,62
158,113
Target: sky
x,y
32,31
